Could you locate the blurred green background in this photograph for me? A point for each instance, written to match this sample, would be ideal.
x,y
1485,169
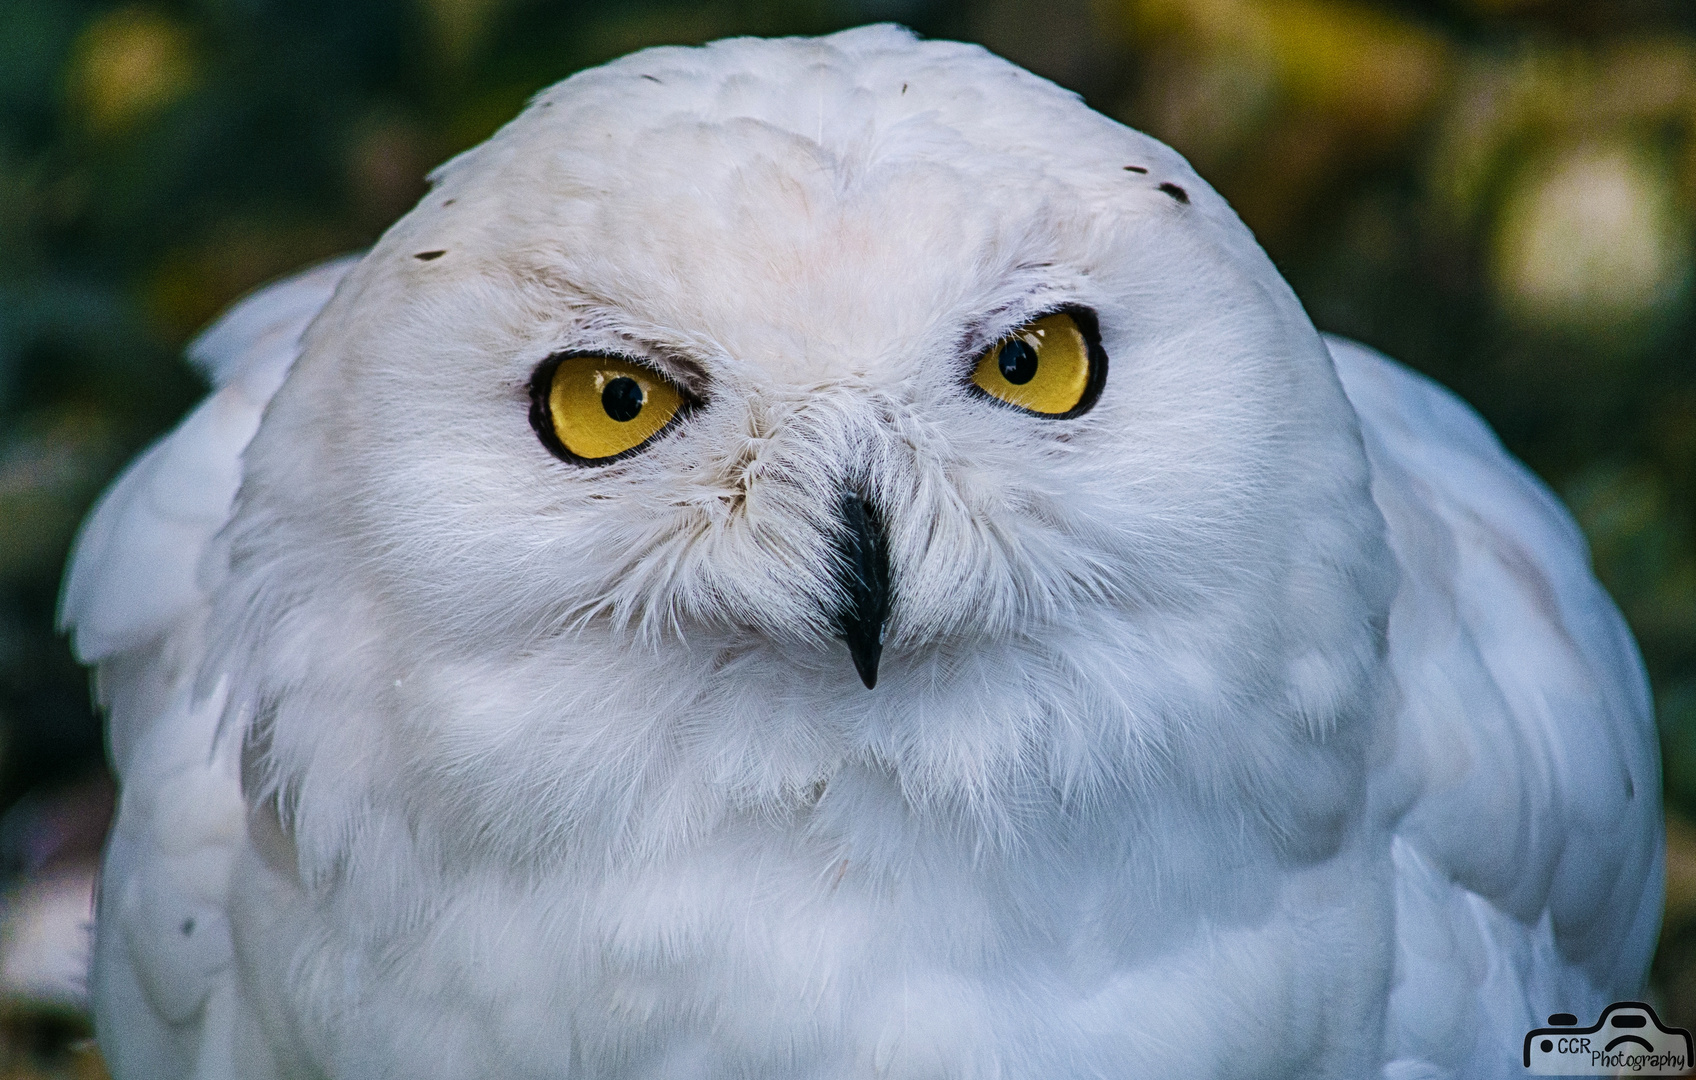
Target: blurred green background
x,y
1501,193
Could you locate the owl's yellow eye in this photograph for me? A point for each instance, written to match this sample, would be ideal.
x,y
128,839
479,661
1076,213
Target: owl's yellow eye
x,y
1053,366
593,409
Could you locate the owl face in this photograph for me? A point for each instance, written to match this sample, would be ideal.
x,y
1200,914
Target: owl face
x,y
708,398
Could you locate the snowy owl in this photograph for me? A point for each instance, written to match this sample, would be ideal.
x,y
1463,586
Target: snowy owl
x,y
828,558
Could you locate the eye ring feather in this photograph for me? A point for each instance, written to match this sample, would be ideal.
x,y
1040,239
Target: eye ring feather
x,y
1053,366
592,408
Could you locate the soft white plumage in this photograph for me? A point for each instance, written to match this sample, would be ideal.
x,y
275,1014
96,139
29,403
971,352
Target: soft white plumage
x,y
1264,720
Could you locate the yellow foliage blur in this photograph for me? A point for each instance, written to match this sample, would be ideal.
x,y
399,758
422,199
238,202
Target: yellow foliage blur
x,y
459,28
128,64
1328,55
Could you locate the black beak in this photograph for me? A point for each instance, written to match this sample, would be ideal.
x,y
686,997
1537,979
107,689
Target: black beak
x,y
864,580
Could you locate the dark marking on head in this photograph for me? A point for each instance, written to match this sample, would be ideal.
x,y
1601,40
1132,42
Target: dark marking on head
x,y
187,927
1135,169
426,256
903,88
1175,191
449,202
650,78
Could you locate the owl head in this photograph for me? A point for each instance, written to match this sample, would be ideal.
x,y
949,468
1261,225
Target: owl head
x,y
742,418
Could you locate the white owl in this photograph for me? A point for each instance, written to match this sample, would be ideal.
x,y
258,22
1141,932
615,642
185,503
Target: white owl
x,y
490,660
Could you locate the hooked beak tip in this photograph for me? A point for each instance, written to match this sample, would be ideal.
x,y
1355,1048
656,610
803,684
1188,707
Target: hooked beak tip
x,y
865,661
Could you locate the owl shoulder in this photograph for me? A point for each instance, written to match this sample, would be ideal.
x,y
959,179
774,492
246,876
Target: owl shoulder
x,y
1522,789
135,600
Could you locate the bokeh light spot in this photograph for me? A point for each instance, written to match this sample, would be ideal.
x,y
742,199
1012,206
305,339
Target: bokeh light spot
x,y
1591,238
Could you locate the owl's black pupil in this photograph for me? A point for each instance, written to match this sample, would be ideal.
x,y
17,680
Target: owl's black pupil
x,y
622,398
1018,362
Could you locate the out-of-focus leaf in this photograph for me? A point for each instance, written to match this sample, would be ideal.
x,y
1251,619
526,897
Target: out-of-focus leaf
x,y
50,466
1381,72
1378,71
1272,98
128,64
190,286
34,38
1676,709
460,28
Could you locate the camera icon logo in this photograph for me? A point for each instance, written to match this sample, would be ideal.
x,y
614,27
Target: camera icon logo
x,y
1628,1038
